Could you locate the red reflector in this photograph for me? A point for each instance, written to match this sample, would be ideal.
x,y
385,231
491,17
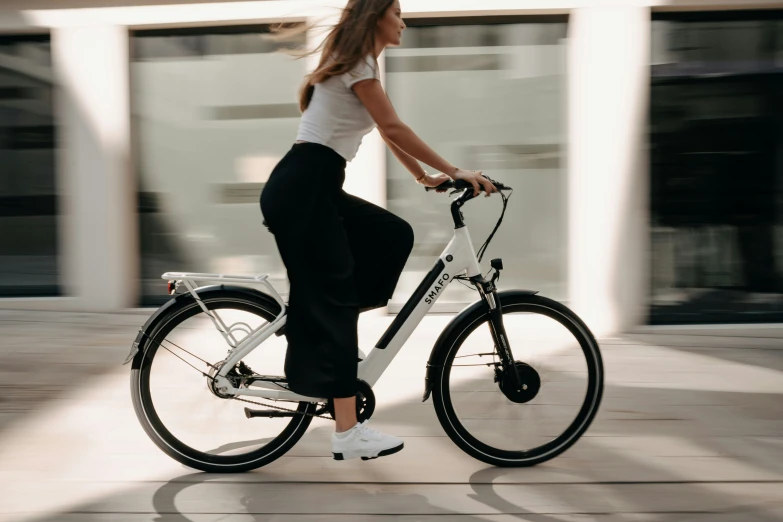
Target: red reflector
x,y
171,286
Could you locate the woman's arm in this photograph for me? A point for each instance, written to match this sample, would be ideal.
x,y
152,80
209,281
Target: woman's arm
x,y
421,175
395,132
371,94
407,161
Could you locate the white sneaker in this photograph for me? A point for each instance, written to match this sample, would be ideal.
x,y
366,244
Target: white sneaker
x,y
363,441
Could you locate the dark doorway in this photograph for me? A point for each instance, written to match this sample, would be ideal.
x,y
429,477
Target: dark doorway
x,y
716,139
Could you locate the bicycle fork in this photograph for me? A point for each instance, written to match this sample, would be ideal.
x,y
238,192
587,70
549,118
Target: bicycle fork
x,y
489,295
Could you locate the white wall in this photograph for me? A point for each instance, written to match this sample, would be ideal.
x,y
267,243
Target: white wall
x,y
188,156
469,117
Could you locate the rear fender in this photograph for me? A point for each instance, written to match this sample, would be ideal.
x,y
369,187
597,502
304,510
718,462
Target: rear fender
x,y
139,347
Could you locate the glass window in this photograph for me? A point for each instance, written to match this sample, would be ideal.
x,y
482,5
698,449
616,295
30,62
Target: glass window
x,y
214,109
29,263
487,96
716,136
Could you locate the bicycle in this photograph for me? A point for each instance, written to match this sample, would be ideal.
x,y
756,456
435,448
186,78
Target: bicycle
x,y
201,434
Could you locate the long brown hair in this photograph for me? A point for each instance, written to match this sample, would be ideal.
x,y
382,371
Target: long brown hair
x,y
349,42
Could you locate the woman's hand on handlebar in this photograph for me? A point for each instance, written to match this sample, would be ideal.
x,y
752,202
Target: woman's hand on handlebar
x,y
433,180
475,178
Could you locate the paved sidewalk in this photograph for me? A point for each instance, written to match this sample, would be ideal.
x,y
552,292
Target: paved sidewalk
x,y
690,429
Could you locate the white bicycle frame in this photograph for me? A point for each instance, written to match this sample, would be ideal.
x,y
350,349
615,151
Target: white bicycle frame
x,y
458,257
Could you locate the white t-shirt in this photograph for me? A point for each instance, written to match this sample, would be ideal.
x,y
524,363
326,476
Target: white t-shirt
x,y
336,117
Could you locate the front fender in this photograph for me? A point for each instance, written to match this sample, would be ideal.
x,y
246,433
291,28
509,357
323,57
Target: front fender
x,y
136,354
466,317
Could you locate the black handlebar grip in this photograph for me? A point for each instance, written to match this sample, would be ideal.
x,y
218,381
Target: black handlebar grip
x,y
442,186
461,184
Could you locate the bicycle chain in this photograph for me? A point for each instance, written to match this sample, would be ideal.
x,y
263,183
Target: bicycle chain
x,y
282,409
276,407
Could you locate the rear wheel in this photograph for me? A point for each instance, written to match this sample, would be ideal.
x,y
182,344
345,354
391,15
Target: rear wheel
x,y
178,406
559,365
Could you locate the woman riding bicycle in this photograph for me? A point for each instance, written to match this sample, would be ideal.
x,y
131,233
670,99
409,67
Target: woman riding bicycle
x,y
343,254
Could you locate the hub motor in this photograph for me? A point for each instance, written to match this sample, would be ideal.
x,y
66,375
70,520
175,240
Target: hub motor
x,y
528,376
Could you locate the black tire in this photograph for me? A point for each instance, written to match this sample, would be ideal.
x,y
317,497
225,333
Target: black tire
x,y
177,312
517,302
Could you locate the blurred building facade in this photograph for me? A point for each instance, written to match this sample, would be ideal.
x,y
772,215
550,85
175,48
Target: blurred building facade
x,y
644,141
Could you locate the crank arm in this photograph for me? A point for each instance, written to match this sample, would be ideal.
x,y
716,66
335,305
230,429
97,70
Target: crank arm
x,y
270,414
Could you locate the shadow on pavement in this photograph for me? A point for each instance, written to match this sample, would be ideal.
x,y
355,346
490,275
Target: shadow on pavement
x,y
619,498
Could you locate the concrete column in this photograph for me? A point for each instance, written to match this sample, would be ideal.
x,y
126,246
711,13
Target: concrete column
x,y
99,230
608,77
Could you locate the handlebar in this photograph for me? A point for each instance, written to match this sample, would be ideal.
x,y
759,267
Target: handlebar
x,y
461,184
468,194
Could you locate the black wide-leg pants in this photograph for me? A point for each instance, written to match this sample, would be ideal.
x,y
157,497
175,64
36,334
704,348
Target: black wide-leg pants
x,y
342,254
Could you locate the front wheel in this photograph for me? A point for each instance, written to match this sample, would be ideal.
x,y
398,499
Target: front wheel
x,y
560,368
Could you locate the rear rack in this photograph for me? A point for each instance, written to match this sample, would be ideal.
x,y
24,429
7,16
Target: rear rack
x,y
225,278
189,280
